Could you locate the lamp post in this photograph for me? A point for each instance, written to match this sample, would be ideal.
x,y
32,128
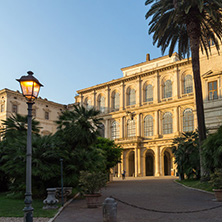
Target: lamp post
x,y
61,161
30,87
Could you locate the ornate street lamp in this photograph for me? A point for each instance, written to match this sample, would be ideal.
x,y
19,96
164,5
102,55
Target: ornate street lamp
x,y
30,89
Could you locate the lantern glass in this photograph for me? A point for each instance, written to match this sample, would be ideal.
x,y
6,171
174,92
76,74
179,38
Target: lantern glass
x,y
30,86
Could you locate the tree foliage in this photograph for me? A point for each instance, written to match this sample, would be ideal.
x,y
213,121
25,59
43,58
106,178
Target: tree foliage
x,y
17,124
45,162
77,132
75,142
212,151
186,152
79,127
111,152
173,22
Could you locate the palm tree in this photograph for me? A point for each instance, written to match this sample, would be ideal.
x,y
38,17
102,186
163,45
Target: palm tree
x,y
190,25
18,124
80,126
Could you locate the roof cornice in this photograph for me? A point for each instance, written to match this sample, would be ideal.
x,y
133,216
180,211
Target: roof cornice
x,y
136,75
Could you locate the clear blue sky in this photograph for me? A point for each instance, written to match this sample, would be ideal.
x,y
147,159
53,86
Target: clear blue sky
x,y
71,44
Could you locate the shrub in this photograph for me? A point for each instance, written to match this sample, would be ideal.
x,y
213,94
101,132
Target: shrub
x,y
216,179
92,182
212,151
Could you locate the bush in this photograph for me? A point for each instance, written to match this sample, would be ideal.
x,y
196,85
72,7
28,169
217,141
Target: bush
x,y
186,151
212,151
216,179
92,182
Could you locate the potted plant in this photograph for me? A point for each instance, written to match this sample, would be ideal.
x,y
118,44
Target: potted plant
x,y
91,184
216,181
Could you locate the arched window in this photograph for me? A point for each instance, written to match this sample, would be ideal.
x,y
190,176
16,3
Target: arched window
x,y
167,123
149,93
167,89
115,130
148,125
131,128
101,130
188,122
115,100
87,103
132,97
188,84
101,103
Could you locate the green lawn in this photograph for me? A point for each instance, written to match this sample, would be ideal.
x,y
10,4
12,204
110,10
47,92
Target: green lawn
x,y
14,207
196,184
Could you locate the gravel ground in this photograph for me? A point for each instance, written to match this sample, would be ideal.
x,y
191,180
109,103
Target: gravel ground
x,y
21,219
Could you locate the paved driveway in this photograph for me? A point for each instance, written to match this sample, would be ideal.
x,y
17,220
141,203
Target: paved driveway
x,y
141,196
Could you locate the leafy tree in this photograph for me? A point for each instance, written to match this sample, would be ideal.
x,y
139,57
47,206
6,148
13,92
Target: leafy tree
x,y
212,151
186,152
111,152
77,132
12,150
189,24
45,162
18,124
79,127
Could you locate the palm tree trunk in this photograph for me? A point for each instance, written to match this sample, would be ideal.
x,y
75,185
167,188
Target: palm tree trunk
x,y
193,30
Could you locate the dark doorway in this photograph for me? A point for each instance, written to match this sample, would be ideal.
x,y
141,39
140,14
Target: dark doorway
x,y
167,163
149,164
131,164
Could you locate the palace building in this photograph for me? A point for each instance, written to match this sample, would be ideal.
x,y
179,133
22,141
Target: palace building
x,y
44,111
150,105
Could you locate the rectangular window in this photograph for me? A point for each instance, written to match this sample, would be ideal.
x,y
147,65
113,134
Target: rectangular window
x,y
14,108
2,108
212,90
46,115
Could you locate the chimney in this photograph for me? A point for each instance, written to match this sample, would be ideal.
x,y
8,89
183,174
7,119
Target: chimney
x,y
147,57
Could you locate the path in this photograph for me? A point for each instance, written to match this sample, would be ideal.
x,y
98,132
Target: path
x,y
152,193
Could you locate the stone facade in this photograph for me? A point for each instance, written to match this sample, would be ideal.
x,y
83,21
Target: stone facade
x,y
150,105
44,111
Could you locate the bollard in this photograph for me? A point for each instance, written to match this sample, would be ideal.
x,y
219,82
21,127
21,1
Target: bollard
x,y
109,210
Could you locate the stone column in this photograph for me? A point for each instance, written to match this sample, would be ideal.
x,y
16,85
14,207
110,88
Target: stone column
x,y
180,120
157,161
138,131
138,91
122,162
156,124
94,99
175,86
139,161
161,162
107,99
176,121
136,162
156,88
122,122
107,135
119,169
122,96
195,118
81,99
